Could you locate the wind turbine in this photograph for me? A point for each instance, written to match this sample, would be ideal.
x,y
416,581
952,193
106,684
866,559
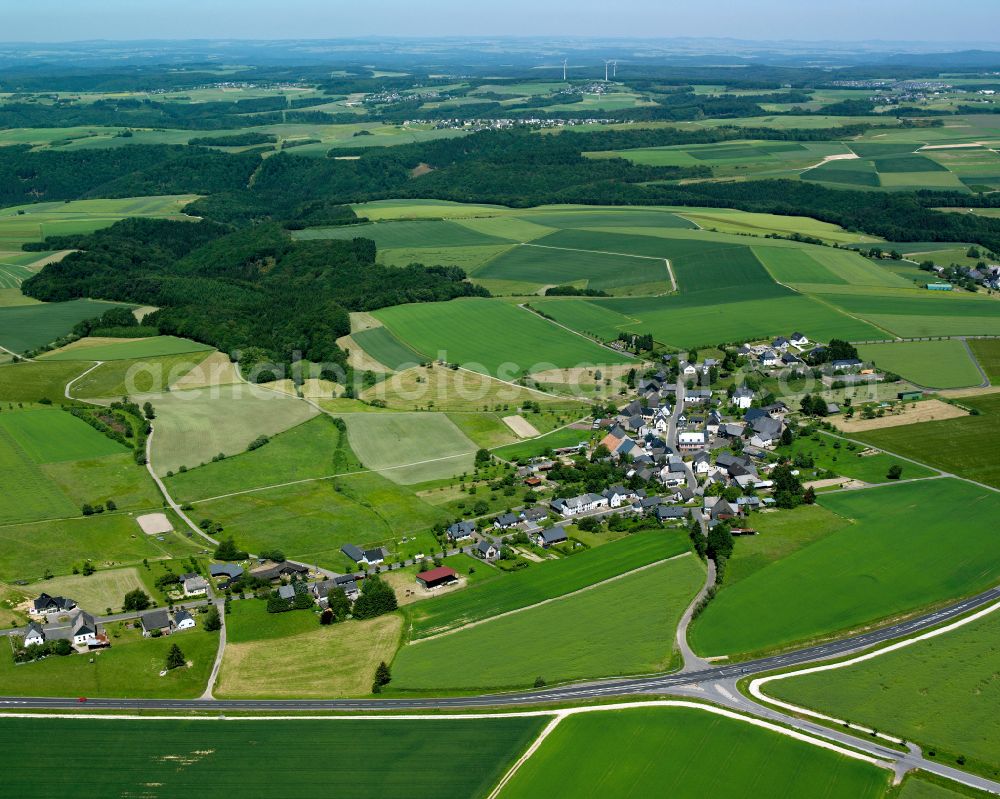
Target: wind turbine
x,y
614,69
607,63
564,70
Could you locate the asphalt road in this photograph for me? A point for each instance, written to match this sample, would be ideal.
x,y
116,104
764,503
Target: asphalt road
x,y
652,684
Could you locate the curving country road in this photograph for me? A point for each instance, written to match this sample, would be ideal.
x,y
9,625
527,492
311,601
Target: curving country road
x,y
651,684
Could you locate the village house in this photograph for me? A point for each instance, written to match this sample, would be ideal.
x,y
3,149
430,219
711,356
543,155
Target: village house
x,y
225,573
506,520
618,496
798,339
551,537
46,604
270,571
690,441
345,582
486,550
183,620
460,531
194,584
581,504
34,635
366,557
153,620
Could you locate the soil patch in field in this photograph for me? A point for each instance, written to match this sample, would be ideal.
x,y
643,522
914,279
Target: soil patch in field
x,y
926,411
521,426
155,523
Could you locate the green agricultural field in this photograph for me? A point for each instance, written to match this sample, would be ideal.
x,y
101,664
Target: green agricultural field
x,y
192,427
312,449
51,435
804,266
623,636
27,327
120,351
27,494
112,477
563,437
29,549
384,347
987,352
916,313
394,234
541,266
849,173
130,667
965,446
313,520
410,447
468,332
686,752
920,785
935,364
845,459
389,759
115,379
706,318
506,592
729,220
23,223
485,430
30,382
937,692
903,547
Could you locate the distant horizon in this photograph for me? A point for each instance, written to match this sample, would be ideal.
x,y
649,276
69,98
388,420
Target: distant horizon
x,y
849,21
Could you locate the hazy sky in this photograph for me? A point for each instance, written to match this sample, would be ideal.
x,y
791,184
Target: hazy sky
x,y
925,20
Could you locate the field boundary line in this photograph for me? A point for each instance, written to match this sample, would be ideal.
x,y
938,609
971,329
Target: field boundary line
x,y
755,685
548,601
523,388
525,307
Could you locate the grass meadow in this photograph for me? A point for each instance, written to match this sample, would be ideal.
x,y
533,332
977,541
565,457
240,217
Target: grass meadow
x,y
117,378
315,448
563,437
936,364
987,352
622,627
30,382
301,659
686,752
965,446
505,592
838,457
130,667
408,447
939,693
192,427
902,548
96,592
468,331
384,347
387,759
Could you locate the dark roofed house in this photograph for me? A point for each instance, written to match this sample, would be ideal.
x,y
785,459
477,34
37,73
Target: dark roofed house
x,y
34,635
52,604
230,570
434,578
369,557
551,537
668,512
154,620
505,520
535,514
272,571
486,550
461,530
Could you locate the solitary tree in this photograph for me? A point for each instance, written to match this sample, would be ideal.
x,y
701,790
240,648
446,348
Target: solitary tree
x,y
175,658
382,678
895,472
136,600
213,621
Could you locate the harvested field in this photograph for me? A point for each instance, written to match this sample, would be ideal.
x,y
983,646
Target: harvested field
x,y
155,523
215,370
96,593
326,662
521,426
923,411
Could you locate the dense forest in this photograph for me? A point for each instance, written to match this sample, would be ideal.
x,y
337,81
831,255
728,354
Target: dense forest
x,y
252,290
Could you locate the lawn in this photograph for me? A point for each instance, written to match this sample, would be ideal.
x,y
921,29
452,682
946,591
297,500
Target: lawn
x,y
410,447
491,336
940,693
131,667
30,382
28,549
845,459
27,327
118,378
306,660
903,547
387,759
935,364
313,520
987,352
483,429
542,581
97,592
564,437
685,752
192,427
112,477
623,636
541,265
966,446
312,449
385,348
106,350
